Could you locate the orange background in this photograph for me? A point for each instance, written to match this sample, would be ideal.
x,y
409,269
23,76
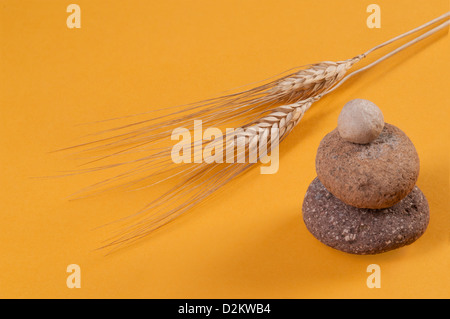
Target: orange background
x,y
249,240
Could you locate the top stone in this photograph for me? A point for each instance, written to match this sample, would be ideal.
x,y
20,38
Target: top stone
x,y
360,121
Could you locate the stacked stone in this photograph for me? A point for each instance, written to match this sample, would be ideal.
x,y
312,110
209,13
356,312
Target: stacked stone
x,y
364,199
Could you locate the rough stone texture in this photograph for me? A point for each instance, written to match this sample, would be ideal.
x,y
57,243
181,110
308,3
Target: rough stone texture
x,y
374,175
360,121
364,231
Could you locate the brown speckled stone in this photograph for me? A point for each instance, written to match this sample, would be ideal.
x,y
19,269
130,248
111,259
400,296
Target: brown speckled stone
x,y
375,175
364,231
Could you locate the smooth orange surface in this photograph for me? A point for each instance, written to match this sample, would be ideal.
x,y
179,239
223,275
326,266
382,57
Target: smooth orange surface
x,y
247,241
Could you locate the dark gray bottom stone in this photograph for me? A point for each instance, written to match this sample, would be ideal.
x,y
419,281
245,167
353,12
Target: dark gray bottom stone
x,y
364,231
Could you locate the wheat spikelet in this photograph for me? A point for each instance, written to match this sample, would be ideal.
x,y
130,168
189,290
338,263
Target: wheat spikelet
x,y
235,108
312,81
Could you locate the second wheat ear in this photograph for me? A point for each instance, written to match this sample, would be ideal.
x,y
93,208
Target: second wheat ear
x,y
266,114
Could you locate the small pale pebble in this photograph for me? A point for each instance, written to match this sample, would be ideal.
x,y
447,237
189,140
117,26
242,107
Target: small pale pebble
x,y
360,121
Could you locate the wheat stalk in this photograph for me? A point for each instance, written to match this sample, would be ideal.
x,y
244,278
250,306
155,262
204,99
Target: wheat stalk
x,y
277,106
